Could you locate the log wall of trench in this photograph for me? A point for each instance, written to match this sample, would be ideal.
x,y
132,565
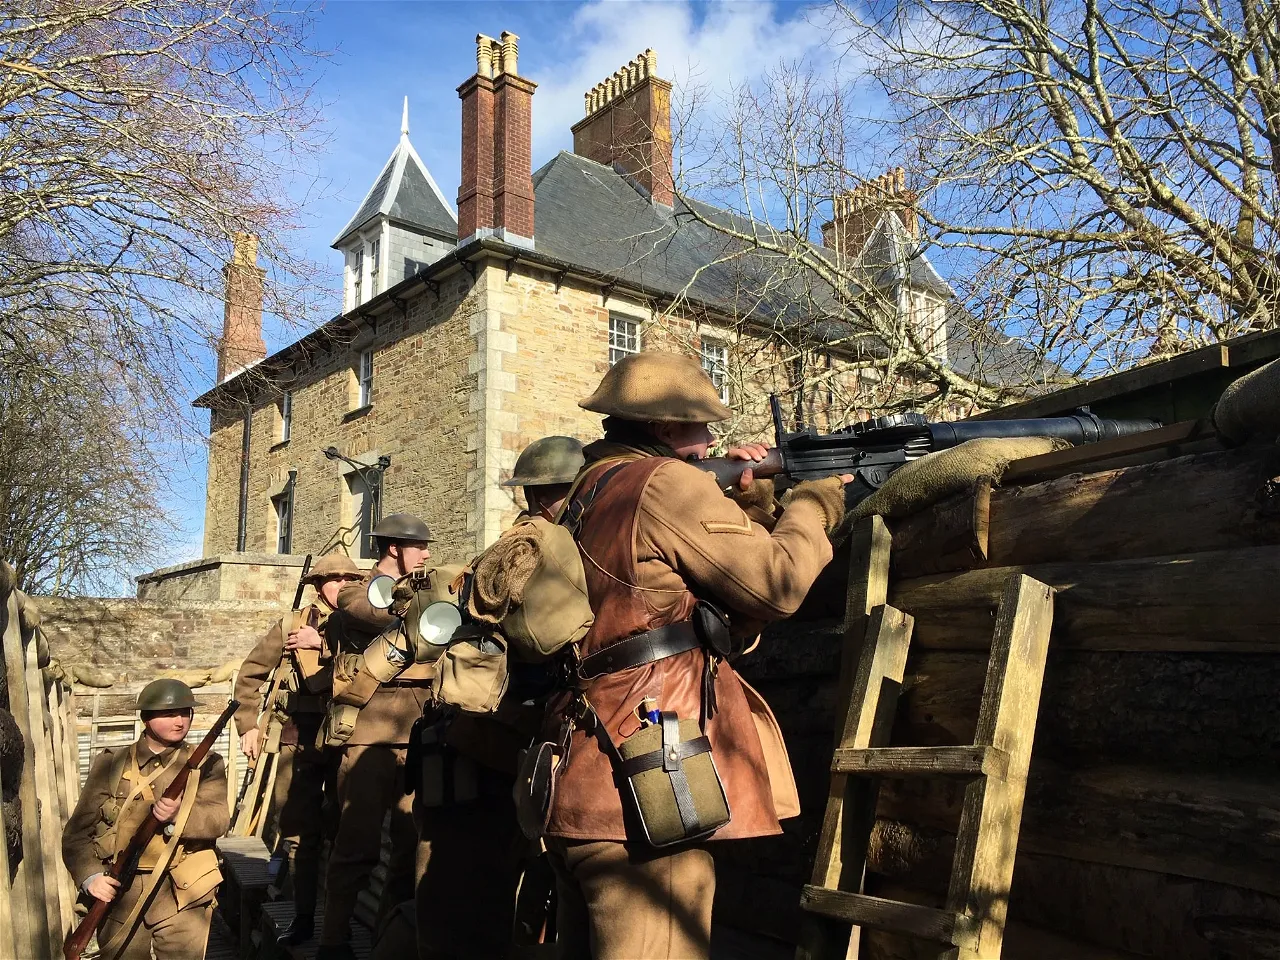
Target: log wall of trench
x,y
1152,822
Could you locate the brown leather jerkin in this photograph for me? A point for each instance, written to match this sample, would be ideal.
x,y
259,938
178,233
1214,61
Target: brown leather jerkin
x,y
587,804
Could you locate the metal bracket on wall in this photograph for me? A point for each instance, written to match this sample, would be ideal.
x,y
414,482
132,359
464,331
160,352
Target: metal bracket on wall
x,y
470,267
605,292
560,279
435,287
401,305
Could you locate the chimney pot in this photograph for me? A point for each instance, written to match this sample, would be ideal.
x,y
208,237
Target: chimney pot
x,y
510,50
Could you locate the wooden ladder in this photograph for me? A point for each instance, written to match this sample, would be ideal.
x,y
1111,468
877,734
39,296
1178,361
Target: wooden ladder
x,y
877,637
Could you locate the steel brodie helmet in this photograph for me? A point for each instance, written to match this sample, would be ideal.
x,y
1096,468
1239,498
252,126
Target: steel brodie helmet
x,y
546,462
655,387
333,565
402,526
166,694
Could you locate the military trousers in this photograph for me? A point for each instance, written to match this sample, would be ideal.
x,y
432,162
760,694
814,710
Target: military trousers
x,y
469,860
302,818
623,901
182,935
370,785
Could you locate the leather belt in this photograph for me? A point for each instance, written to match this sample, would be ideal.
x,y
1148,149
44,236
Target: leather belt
x,y
407,683
635,651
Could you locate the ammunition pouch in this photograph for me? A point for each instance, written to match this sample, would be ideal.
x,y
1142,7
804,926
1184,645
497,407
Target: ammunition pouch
x,y
670,782
339,724
195,878
711,625
296,703
472,673
353,684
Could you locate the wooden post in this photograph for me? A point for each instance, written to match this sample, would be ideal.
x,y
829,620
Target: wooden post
x,y
31,917
8,946
50,819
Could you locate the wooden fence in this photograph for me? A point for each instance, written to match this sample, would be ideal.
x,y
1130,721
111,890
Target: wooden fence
x,y
37,894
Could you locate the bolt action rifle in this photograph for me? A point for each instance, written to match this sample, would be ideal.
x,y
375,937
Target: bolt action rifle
x,y
873,450
242,819
125,866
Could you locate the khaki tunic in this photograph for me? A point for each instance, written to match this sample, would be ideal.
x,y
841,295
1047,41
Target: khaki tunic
x,y
657,533
208,820
389,715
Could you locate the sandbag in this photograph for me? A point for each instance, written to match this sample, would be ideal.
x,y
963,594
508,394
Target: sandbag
x,y
531,585
92,676
225,672
1250,406
938,475
192,678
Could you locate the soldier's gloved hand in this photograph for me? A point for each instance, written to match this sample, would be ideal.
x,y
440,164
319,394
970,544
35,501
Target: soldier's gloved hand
x,y
102,887
305,637
827,494
401,595
251,743
166,808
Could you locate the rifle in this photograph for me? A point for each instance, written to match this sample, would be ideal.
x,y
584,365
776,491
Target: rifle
x,y
273,690
125,866
873,450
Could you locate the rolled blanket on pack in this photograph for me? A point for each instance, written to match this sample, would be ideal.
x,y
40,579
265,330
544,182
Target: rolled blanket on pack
x,y
502,572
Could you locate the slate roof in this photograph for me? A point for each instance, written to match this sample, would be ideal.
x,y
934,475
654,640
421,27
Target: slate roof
x,y
405,192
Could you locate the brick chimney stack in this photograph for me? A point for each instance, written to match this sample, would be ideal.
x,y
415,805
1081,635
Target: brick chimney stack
x,y
628,122
859,210
242,344
495,195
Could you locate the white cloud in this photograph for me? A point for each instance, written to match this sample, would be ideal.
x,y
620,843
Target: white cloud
x,y
733,43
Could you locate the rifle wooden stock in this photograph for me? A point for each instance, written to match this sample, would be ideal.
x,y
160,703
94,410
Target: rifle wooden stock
x,y
125,866
728,471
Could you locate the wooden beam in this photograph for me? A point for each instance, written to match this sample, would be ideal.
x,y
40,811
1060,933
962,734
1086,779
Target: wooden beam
x,y
963,762
1074,459
928,923
50,818
951,535
1217,601
1211,501
987,838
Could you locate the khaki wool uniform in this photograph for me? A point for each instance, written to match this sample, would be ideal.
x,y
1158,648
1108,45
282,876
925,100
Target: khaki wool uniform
x,y
657,532
302,767
370,776
176,924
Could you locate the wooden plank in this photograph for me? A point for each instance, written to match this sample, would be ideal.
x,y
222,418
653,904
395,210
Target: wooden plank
x,y
8,942
30,914
1218,601
1063,402
1075,459
912,919
992,813
951,535
1212,501
868,713
50,821
964,762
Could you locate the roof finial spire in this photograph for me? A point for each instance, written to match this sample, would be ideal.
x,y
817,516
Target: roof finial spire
x,y
404,120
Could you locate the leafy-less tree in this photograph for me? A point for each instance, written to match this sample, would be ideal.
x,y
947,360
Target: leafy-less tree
x,y
1114,162
136,138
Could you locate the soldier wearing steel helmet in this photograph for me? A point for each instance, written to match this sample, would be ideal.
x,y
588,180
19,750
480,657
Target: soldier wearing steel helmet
x,y
124,783
546,470
688,545
295,646
370,779
471,854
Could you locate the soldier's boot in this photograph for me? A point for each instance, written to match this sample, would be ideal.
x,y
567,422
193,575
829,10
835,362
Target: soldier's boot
x,y
335,951
300,930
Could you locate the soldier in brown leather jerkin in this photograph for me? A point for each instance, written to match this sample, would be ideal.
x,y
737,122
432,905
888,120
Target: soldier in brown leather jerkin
x,y
124,783
302,766
657,536
371,762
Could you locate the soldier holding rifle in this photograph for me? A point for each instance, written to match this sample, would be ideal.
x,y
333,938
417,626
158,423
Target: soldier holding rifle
x,y
287,660
161,804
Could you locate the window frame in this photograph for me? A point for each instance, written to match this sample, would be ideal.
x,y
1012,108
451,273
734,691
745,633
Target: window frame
x,y
283,505
364,379
721,360
375,254
357,275
286,417
619,350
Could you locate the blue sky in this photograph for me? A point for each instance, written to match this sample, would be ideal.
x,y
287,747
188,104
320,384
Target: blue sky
x,y
383,51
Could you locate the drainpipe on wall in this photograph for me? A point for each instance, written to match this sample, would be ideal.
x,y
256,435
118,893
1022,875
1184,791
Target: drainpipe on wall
x,y
242,520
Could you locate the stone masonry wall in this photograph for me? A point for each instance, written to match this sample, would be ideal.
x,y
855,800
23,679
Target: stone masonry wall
x,y
133,639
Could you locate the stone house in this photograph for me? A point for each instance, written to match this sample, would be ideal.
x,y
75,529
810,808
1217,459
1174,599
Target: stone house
x,y
465,337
